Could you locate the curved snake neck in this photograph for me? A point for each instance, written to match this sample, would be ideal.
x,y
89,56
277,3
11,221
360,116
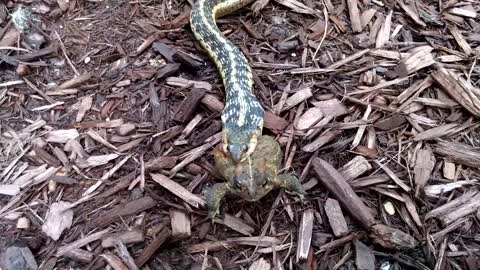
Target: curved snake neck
x,y
242,115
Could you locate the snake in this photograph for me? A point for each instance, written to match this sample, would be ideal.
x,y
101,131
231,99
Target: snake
x,y
242,116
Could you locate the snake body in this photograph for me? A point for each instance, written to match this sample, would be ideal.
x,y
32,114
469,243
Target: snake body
x,y
242,116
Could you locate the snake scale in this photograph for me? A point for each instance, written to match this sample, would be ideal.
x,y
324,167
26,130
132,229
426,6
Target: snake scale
x,y
242,116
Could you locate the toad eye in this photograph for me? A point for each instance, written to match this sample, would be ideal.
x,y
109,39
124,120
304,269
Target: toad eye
x,y
244,147
236,184
264,182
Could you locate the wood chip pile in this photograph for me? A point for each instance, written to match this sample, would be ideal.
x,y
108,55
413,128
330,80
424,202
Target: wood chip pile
x,y
109,112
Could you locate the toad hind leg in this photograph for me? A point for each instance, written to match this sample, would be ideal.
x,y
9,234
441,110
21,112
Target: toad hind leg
x,y
290,183
214,198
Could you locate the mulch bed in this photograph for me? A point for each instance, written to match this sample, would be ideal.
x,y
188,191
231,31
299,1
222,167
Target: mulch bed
x,y
109,112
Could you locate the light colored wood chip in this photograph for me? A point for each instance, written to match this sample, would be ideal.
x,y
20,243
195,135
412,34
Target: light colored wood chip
x,y
459,89
459,153
359,135
348,59
178,190
97,137
305,235
367,16
210,246
95,161
81,242
23,223
236,224
114,262
448,170
265,241
355,168
389,208
331,107
9,189
184,83
354,13
412,209
125,129
320,141
364,258
260,264
394,55
462,43
85,105
419,58
425,162
450,58
310,119
383,35
298,7
299,96
337,221
126,237
61,135
59,218
466,11
448,104
436,132
181,225
435,190
453,204
469,207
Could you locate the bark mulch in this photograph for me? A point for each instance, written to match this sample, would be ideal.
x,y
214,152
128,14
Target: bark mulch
x,y
109,111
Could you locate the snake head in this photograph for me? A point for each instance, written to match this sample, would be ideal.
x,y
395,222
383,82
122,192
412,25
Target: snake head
x,y
239,144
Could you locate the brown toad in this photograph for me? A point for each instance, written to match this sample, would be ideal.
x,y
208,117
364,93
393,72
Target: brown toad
x,y
252,178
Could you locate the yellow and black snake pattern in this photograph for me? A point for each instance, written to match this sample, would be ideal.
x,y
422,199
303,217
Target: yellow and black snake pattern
x,y
243,115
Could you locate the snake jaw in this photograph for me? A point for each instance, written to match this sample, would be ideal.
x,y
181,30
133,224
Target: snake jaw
x,y
239,145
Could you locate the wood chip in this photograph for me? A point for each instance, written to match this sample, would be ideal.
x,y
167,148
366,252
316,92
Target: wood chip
x,y
299,96
393,176
355,168
383,35
364,258
178,190
180,222
425,162
152,247
59,218
459,89
126,237
305,235
127,209
460,40
188,106
236,224
420,57
61,136
354,14
81,242
337,221
448,170
344,193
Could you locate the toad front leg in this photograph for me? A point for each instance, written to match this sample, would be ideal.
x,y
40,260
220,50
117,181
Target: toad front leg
x,y
214,198
290,183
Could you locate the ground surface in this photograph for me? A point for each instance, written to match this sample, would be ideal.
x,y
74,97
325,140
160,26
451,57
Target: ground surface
x,y
109,113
